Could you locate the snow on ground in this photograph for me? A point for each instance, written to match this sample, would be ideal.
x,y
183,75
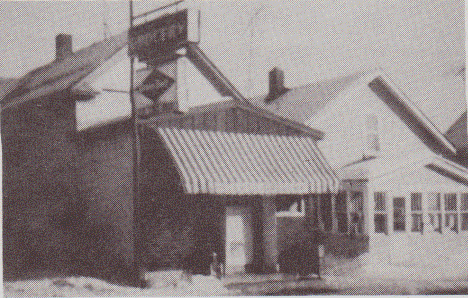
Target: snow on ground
x,y
166,283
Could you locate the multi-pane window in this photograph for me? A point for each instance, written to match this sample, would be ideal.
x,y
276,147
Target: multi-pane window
x,y
451,213
464,211
416,213
356,212
434,212
399,214
341,212
380,213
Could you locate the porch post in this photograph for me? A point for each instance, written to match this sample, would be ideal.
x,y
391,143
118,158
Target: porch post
x,y
333,214
270,234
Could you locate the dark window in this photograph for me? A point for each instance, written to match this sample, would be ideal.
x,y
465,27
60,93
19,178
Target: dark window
x,y
380,213
416,213
464,211
356,212
435,212
399,216
451,214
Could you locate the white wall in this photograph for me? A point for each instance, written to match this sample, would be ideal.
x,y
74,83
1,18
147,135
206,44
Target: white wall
x,y
190,89
343,122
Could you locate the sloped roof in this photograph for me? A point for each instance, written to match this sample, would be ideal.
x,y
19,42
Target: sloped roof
x,y
376,168
210,162
303,102
457,133
60,75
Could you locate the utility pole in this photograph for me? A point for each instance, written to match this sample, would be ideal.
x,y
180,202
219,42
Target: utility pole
x,y
136,172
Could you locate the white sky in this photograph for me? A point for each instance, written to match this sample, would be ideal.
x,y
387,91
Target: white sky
x,y
420,44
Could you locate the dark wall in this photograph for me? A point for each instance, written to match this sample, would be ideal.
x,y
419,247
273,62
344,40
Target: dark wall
x,y
67,205
178,230
41,201
106,171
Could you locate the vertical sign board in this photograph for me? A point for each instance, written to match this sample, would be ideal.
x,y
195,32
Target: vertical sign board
x,y
162,36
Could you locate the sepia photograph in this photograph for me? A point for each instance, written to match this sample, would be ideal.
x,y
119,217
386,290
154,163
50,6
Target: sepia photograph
x,y
233,148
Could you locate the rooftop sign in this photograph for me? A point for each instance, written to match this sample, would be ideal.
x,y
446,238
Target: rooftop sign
x,y
164,35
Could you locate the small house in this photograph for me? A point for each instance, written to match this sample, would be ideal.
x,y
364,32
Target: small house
x,y
405,184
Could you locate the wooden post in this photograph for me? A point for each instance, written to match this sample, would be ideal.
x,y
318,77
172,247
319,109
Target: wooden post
x,y
333,213
139,274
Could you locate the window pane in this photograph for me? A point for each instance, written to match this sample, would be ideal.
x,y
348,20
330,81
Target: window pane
x,y
433,200
399,214
416,223
380,222
451,202
435,222
464,201
379,198
464,223
416,199
451,223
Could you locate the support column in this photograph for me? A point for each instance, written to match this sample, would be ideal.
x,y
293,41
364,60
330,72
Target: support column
x,y
333,214
270,234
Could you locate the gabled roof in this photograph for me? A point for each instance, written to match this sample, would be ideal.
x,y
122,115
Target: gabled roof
x,y
60,75
304,102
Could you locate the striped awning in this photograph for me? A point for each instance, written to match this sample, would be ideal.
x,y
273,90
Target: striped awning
x,y
214,162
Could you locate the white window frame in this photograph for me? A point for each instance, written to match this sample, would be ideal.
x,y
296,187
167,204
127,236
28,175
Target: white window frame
x,y
291,213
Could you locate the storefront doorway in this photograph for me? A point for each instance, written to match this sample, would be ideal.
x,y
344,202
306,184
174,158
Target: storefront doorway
x,y
239,238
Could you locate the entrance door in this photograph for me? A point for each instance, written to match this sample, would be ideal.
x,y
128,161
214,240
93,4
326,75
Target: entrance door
x,y
239,238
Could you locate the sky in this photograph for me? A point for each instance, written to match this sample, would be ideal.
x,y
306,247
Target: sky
x,y
419,44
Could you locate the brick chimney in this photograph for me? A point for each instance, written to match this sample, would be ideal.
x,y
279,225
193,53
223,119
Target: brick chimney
x,y
276,84
63,46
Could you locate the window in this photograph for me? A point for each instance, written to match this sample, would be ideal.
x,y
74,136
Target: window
x,y
435,212
451,214
464,211
372,134
380,213
290,206
416,213
341,212
356,212
399,216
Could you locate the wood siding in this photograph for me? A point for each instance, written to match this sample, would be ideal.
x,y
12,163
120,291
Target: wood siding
x,y
232,119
